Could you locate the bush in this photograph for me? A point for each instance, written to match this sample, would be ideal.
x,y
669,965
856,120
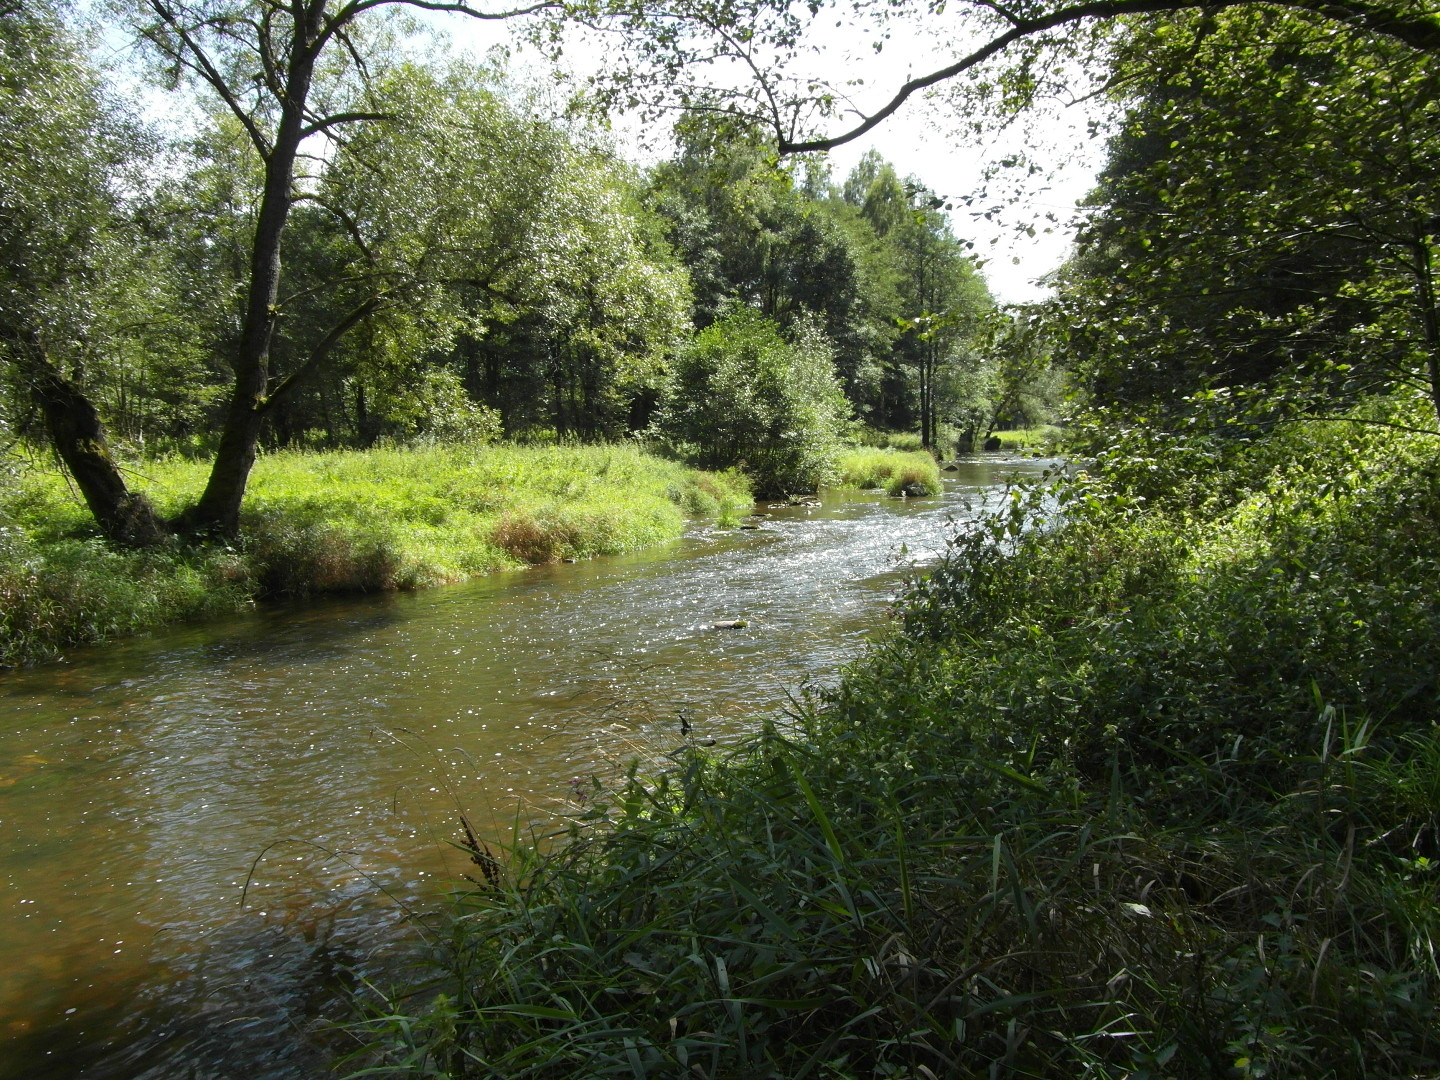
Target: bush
x,y
743,396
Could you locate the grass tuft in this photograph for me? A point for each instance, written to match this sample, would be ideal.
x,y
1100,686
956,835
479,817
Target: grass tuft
x,y
895,471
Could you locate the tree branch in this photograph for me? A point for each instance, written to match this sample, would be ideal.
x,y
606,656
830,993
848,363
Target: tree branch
x,y
317,126
347,222
466,9
206,69
1420,32
346,14
320,353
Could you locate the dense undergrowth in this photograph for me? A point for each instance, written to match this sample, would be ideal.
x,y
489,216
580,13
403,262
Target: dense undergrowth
x,y
332,522
1144,783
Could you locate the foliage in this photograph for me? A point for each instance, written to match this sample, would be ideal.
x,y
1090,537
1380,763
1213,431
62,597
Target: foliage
x,y
546,295
872,261
63,592
772,64
1264,219
1137,788
743,395
61,236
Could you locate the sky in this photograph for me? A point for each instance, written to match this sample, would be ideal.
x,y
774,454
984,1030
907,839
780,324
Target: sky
x,y
922,140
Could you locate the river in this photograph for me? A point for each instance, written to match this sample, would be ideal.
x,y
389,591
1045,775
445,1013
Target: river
x,y
205,832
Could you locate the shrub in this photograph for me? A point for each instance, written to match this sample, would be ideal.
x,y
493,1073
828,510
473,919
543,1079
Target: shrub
x,y
743,396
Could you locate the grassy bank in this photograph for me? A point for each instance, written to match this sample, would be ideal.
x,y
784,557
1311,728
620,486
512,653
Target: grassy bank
x,y
1046,438
332,522
1154,794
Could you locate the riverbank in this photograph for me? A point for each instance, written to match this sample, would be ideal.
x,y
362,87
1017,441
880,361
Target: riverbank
x,y
1152,794
334,522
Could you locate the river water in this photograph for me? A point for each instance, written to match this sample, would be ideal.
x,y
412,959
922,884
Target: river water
x,y
205,832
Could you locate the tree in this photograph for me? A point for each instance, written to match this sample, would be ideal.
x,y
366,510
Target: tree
x,y
62,244
945,300
290,72
745,395
749,233
1026,383
1014,52
1269,209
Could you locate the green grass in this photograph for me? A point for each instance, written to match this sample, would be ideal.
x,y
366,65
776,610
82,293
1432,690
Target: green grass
x,y
1152,794
1046,437
334,522
904,441
893,470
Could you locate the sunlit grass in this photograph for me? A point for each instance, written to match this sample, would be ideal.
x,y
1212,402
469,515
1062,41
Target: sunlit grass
x,y
335,522
1044,437
897,471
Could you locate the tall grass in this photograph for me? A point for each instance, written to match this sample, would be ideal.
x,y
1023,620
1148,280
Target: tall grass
x,y
907,442
1046,437
1151,794
333,522
898,472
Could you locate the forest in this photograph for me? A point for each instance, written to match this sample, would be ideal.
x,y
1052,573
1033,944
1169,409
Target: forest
x,y
1143,779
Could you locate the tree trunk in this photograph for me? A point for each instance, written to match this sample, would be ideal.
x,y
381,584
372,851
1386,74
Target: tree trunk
x,y
74,427
218,510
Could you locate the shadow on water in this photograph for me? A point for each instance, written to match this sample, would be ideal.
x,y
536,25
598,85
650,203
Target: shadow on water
x,y
255,1018
311,760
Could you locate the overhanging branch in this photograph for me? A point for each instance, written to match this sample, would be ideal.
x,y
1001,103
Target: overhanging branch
x,y
321,352
1421,32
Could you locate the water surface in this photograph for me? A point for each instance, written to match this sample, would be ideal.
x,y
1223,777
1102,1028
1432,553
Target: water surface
x,y
201,831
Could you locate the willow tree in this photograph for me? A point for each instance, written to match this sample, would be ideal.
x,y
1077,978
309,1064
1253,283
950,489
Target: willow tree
x,y
62,245
296,76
